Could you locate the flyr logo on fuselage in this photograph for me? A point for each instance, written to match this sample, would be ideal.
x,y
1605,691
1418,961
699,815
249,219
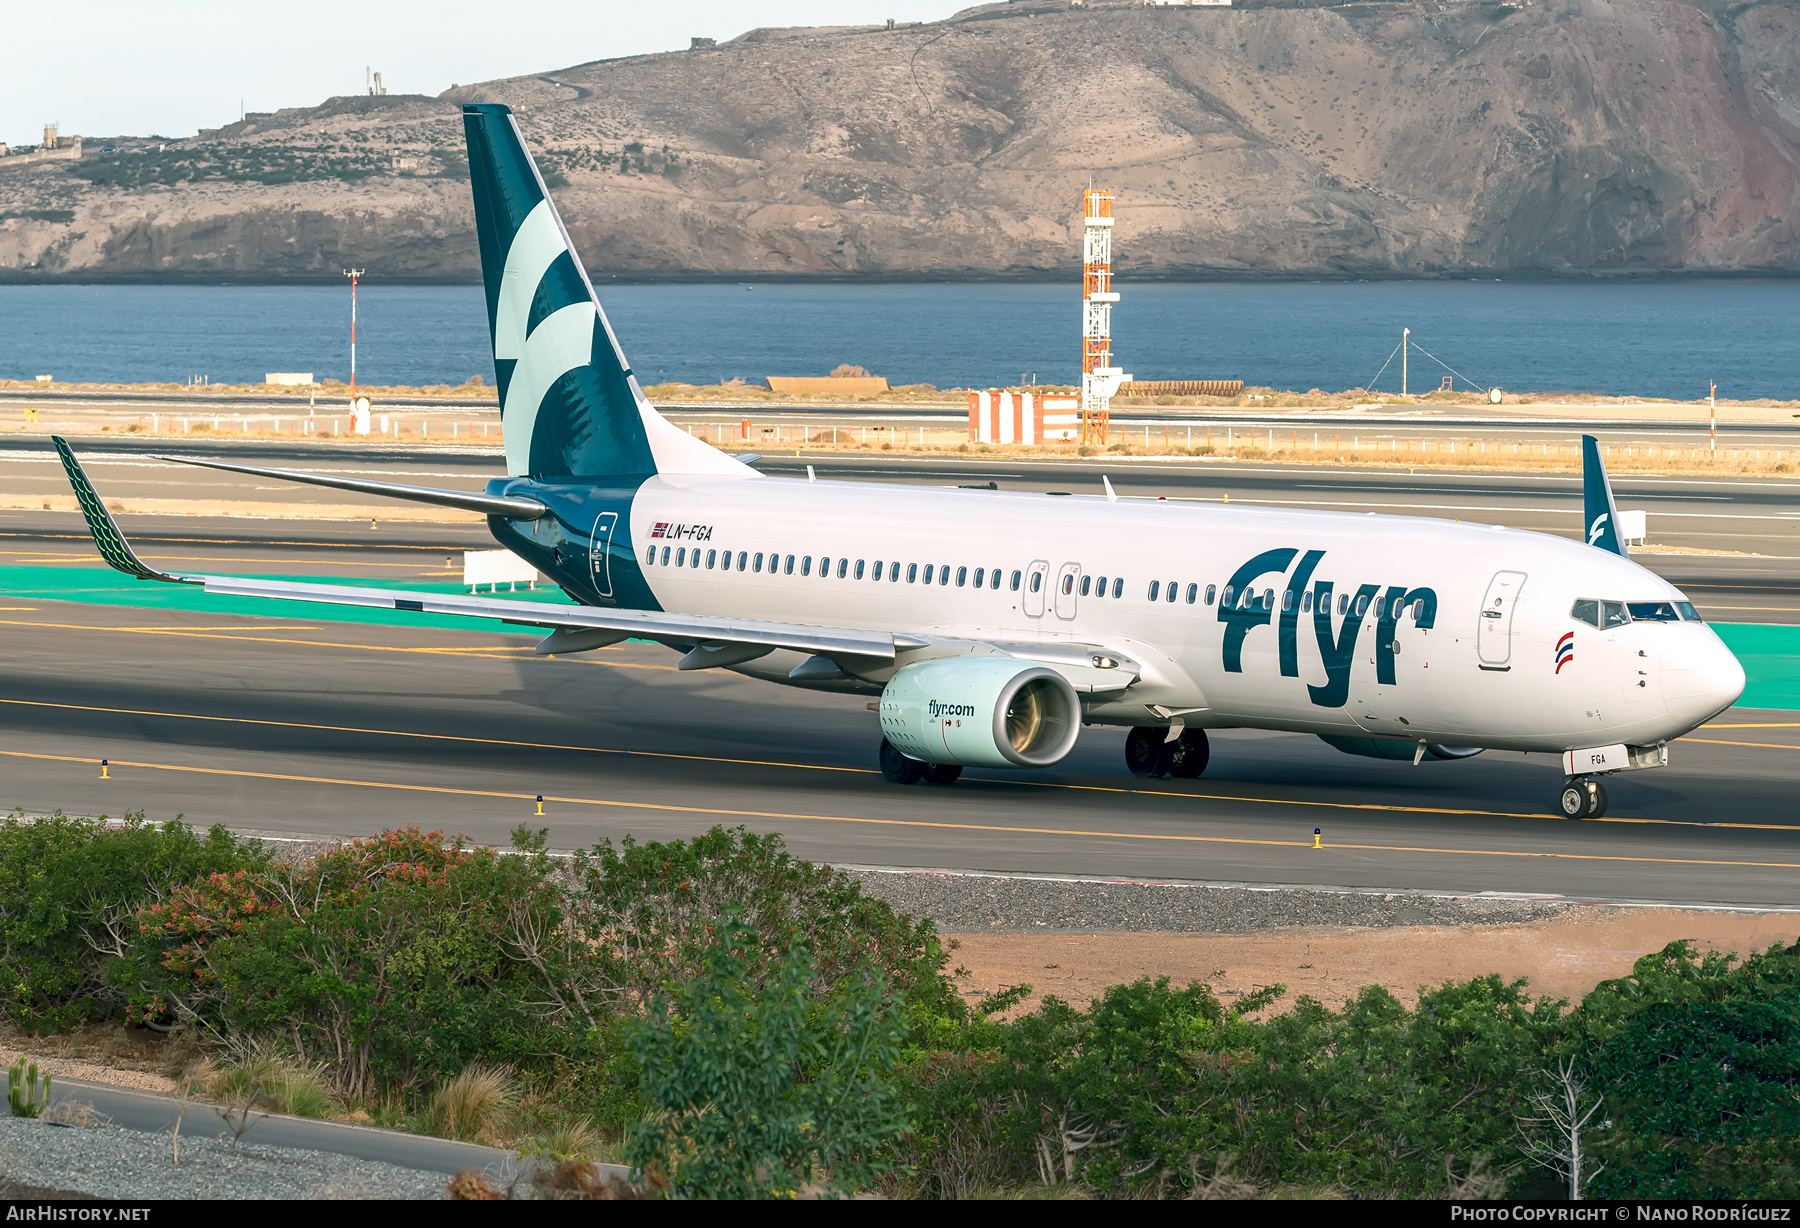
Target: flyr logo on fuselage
x,y
1242,609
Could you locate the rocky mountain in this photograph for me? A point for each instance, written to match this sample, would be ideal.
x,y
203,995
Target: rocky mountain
x,y
1365,139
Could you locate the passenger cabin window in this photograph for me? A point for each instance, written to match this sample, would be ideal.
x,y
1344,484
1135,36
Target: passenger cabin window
x,y
1193,593
1212,590
806,565
711,557
756,562
1362,606
1225,598
912,573
1155,588
1068,585
1652,612
893,573
859,569
1015,581
1118,587
844,569
1037,581
1418,610
650,557
1287,600
878,569
980,573
1174,585
928,570
1087,583
943,573
1306,600
1343,603
695,560
1100,587
681,557
788,568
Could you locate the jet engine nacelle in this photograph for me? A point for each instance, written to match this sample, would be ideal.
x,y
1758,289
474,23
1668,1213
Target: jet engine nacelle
x,y
1393,748
981,712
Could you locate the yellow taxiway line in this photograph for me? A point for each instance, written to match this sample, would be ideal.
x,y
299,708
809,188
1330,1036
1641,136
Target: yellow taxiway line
x,y
729,813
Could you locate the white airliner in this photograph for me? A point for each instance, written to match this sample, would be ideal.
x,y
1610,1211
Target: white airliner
x,y
989,627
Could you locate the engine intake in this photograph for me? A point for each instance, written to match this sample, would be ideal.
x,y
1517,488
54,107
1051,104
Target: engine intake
x,y
981,712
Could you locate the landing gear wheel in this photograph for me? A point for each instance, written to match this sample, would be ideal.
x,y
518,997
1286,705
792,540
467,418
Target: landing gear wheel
x,y
897,768
1189,755
1583,799
1148,751
942,773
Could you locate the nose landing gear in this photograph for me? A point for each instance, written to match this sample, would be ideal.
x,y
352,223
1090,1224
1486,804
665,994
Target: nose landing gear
x,y
1583,798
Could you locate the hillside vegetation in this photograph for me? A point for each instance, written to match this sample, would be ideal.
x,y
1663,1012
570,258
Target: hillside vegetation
x,y
1359,139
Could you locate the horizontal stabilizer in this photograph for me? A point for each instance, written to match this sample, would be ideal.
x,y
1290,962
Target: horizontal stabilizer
x,y
488,505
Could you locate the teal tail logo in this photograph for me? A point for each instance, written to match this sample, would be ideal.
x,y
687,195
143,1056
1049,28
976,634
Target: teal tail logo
x,y
569,405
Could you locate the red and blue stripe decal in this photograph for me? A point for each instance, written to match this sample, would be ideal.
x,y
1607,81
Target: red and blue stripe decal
x,y
1565,650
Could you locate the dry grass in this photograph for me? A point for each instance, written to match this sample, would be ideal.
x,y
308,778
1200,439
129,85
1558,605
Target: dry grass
x,y
1381,452
474,1107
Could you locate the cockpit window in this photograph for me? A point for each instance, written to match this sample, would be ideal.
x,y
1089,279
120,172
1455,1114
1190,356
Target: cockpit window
x,y
1612,614
1688,612
1586,610
1653,612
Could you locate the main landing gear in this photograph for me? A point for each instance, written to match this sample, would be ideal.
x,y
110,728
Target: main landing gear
x,y
1583,797
900,770
1148,752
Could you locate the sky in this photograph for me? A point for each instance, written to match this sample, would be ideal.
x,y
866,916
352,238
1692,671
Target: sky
x,y
106,68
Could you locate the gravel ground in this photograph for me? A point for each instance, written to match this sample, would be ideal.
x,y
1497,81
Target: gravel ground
x,y
126,1164
967,903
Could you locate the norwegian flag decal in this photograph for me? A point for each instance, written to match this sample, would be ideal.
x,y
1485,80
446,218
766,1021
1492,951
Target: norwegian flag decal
x,y
662,527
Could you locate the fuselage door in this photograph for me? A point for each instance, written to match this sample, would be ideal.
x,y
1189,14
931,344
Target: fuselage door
x,y
1037,579
1493,633
1068,581
600,552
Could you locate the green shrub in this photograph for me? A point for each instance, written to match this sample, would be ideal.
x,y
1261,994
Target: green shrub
x,y
1699,1058
69,889
760,1083
26,1095
1157,1090
383,960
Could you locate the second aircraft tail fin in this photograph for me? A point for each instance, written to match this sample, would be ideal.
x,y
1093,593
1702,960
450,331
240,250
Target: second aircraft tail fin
x,y
1600,515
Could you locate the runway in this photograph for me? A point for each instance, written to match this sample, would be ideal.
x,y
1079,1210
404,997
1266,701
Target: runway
x,y
311,721
345,729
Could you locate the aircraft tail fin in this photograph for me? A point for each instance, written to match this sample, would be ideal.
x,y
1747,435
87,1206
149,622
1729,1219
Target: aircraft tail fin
x,y
569,403
1600,515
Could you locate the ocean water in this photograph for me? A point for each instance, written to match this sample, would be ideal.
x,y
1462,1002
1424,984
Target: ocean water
x,y
1649,338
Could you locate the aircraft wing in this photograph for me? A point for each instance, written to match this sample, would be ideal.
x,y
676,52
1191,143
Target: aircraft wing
x,y
708,640
570,622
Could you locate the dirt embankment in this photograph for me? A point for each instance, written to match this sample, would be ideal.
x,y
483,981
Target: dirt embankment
x,y
1372,139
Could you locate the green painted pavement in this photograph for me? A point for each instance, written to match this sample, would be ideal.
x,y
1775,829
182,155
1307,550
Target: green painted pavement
x,y
1771,655
104,586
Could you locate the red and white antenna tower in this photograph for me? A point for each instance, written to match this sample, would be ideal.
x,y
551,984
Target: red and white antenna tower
x,y
1099,378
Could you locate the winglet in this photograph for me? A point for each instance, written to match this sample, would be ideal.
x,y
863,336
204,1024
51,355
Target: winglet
x,y
111,543
1600,515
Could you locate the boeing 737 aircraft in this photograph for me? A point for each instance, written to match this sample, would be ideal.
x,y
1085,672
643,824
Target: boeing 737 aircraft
x,y
989,627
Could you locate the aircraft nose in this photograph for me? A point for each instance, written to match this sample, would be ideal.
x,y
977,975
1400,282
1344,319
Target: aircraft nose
x,y
1704,679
